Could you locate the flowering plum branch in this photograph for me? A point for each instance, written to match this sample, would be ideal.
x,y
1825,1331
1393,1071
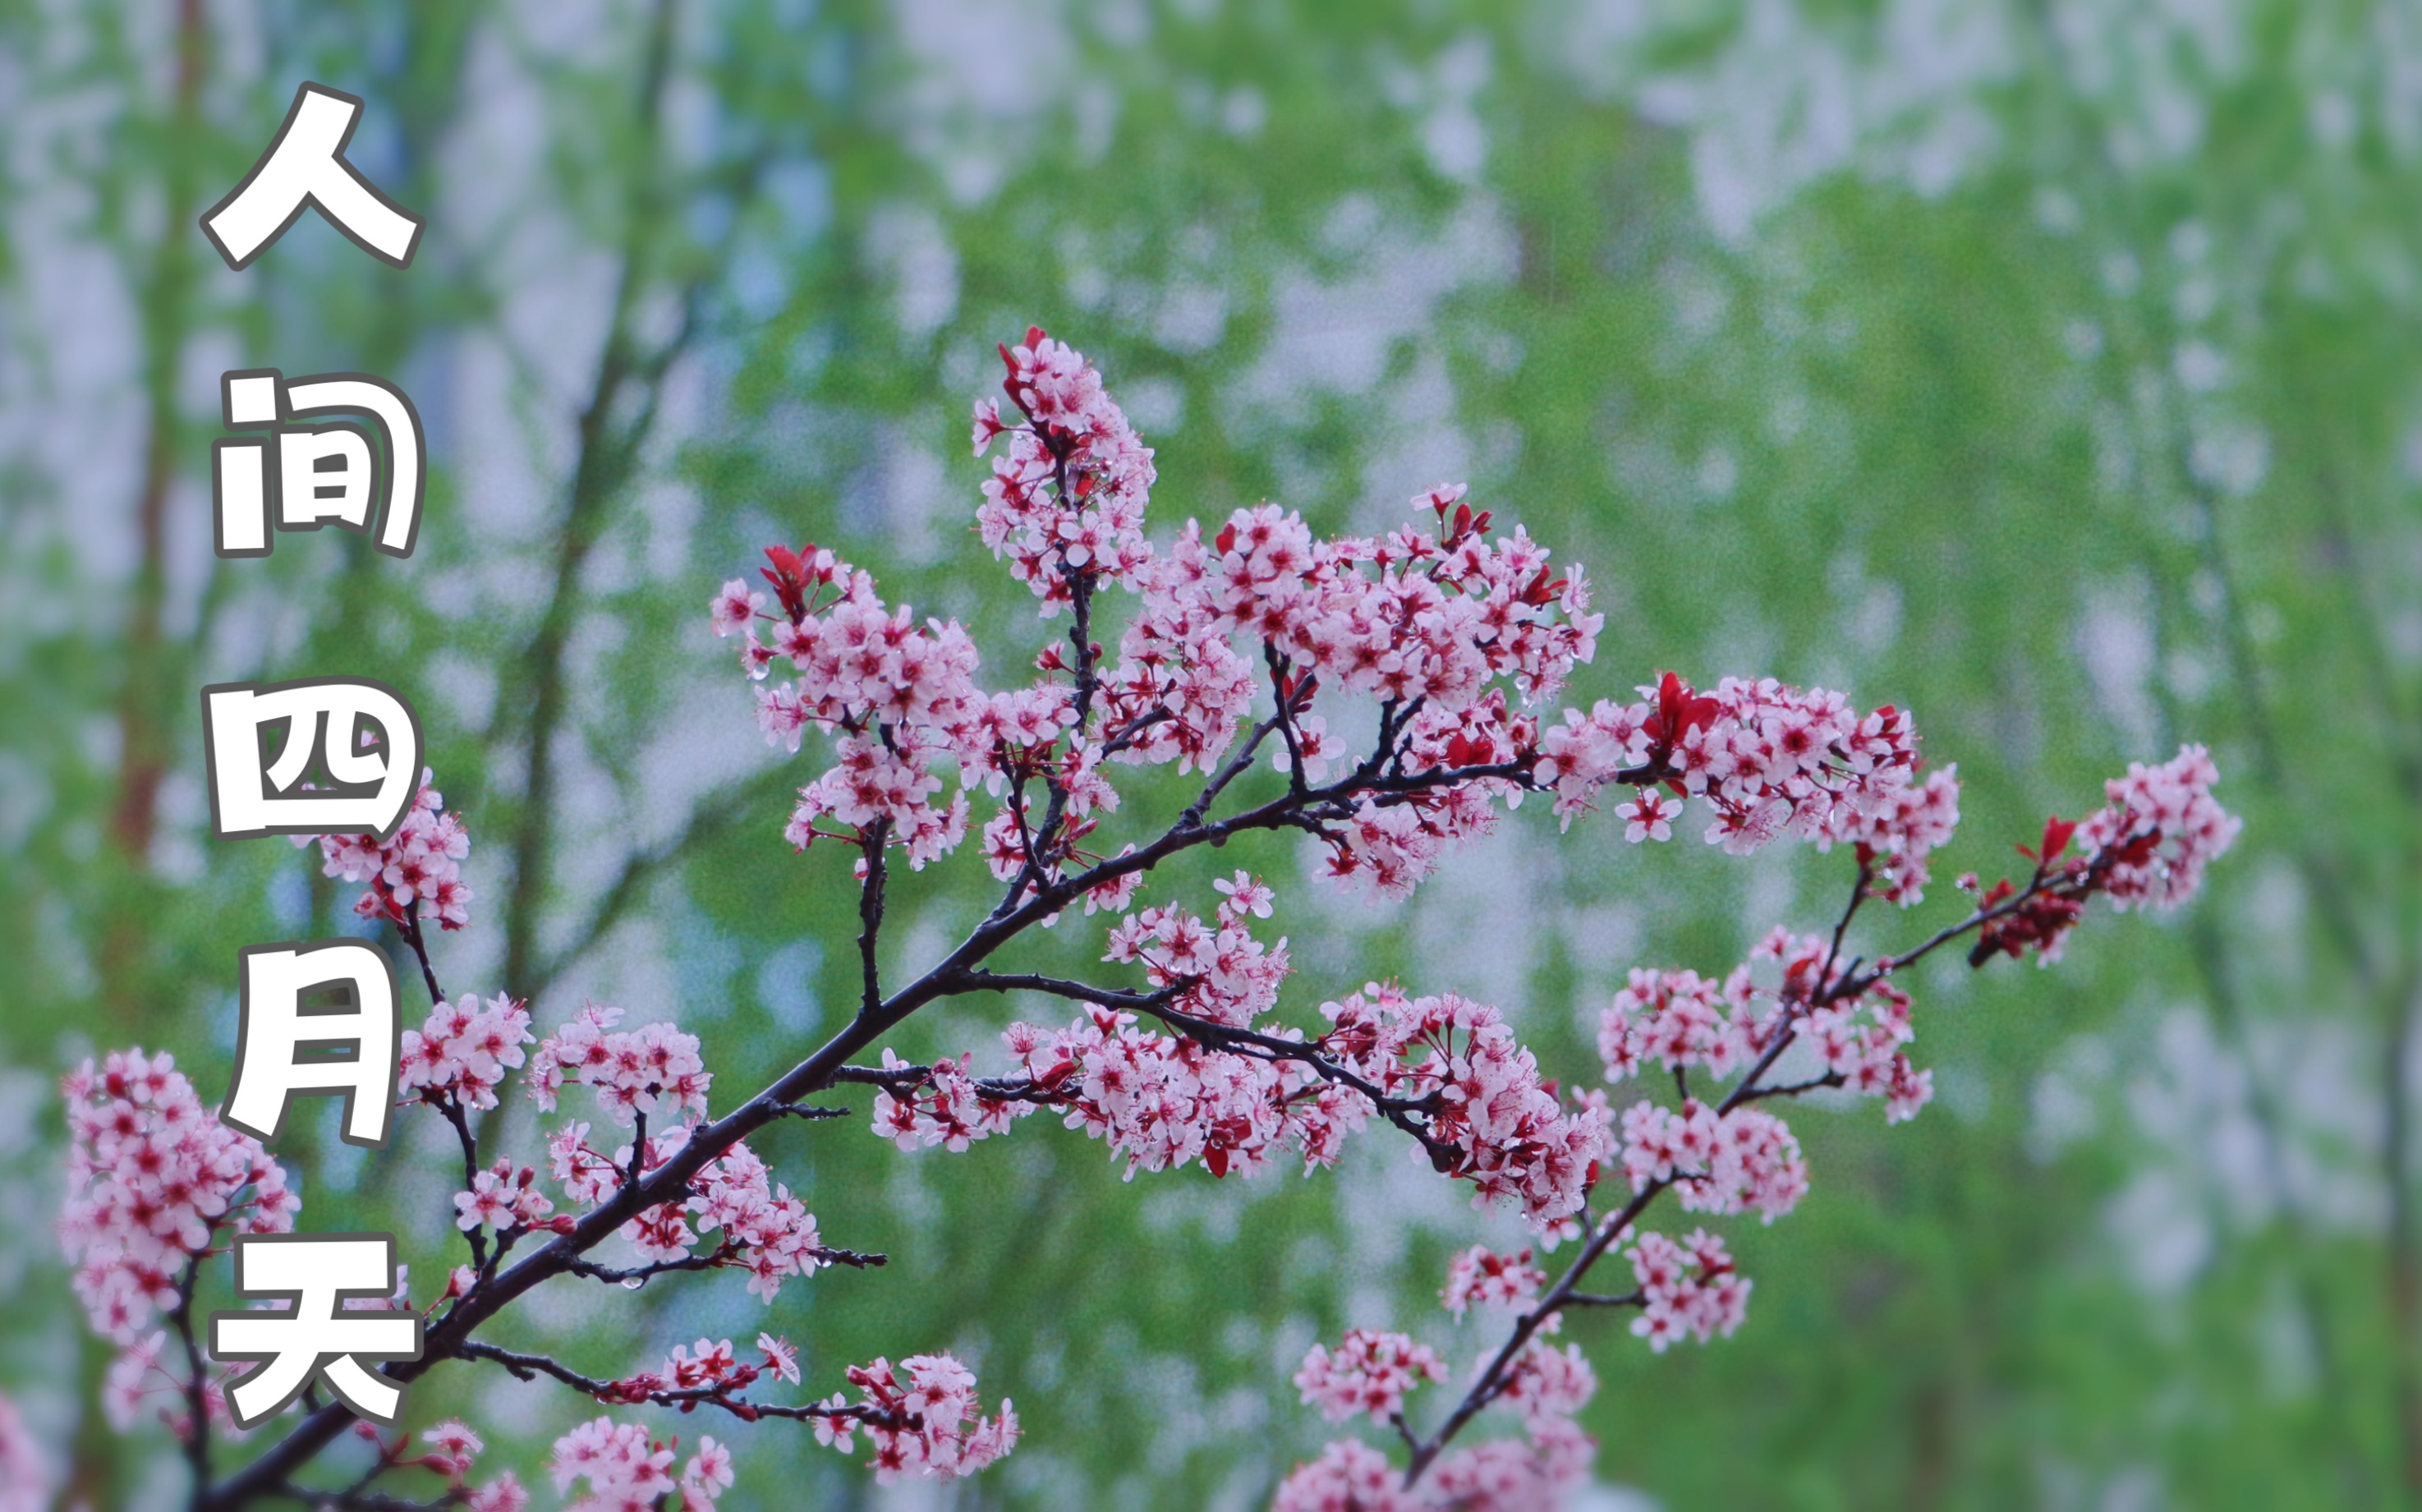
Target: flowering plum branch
x,y
1249,640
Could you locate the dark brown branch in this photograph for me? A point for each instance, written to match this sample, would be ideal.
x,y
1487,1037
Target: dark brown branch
x,y
1630,1299
453,1115
1830,1078
902,1081
619,1275
411,930
362,1500
531,1366
196,1438
870,918
1161,1005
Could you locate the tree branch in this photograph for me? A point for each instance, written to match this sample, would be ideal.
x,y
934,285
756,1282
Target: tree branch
x,y
670,1182
870,918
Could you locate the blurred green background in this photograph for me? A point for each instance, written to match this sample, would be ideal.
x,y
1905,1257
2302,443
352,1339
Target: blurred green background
x,y
2046,367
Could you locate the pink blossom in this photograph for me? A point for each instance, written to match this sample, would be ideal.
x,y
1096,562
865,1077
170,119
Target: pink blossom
x,y
781,1356
502,1197
1349,1476
922,1418
462,1051
1368,1372
415,873
154,1182
2160,828
1222,973
948,1108
624,1468
1691,1288
1162,1101
1728,1162
706,1477
761,1226
1480,1275
454,1447
654,1069
1766,760
1067,500
1548,1383
1513,1475
1792,984
503,1494
1498,1125
735,608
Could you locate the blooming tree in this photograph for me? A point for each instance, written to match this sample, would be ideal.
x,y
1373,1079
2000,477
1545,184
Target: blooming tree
x,y
1403,691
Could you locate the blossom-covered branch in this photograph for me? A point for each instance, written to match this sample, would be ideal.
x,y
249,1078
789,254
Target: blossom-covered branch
x,y
1247,641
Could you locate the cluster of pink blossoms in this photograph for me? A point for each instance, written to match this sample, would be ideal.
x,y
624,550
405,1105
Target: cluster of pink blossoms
x,y
1369,1372
764,1229
1161,1101
2145,848
1496,1476
654,1069
462,1051
154,1180
926,1425
1729,1162
1180,690
1498,1124
1436,627
921,1417
769,1232
1769,761
1679,1019
626,1470
1481,1275
2160,828
1165,1101
711,1371
1439,627
502,1197
949,1108
1068,495
1219,971
415,873
896,695
1689,1288
1406,616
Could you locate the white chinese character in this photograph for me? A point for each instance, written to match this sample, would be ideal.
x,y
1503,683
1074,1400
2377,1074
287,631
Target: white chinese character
x,y
283,1048
305,166
311,1339
370,780
322,473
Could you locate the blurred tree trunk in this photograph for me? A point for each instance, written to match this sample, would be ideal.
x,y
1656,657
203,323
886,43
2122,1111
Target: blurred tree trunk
x,y
145,709
2405,1274
145,703
609,444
